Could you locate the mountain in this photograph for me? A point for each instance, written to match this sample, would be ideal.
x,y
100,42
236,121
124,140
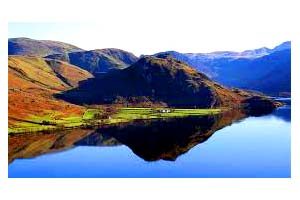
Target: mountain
x,y
273,74
31,47
98,61
32,82
158,80
94,61
265,70
283,46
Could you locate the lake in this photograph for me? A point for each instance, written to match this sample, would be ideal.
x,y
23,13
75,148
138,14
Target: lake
x,y
227,145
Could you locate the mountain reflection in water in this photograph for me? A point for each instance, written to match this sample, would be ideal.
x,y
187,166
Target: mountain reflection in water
x,y
30,145
161,139
151,140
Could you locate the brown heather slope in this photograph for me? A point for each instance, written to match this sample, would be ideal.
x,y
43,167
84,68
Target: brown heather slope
x,y
68,73
32,82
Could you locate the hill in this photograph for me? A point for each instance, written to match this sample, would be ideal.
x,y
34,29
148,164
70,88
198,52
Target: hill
x,y
265,70
98,61
157,80
32,82
31,47
94,61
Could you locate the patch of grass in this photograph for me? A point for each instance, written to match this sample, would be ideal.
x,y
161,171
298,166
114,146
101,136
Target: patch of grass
x,y
53,120
91,114
156,113
30,127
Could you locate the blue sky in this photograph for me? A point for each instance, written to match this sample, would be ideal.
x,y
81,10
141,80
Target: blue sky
x,y
151,37
40,30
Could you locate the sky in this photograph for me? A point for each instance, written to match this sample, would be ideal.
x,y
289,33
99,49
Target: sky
x,y
187,28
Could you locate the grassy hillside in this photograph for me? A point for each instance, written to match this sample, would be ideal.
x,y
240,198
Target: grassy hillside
x,y
32,82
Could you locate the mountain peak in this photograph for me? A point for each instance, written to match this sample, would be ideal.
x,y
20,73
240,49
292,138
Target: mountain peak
x,y
169,63
283,46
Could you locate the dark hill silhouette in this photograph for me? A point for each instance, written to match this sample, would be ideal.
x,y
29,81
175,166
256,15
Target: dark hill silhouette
x,y
158,80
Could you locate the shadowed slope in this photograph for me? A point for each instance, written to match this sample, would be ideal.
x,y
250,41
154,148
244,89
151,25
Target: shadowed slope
x,y
156,80
98,61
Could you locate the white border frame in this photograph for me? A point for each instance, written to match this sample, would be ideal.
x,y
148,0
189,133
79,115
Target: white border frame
x,y
32,11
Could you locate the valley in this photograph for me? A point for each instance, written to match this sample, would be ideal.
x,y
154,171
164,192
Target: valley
x,y
56,86
74,112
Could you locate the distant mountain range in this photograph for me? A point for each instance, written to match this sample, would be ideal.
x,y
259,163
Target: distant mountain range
x,y
265,70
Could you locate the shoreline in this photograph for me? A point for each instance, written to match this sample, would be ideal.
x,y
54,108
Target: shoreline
x,y
121,117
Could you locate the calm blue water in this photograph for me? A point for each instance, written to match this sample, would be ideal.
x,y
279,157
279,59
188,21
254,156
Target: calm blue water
x,y
251,147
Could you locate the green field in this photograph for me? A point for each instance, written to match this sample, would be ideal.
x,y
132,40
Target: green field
x,y
52,121
150,113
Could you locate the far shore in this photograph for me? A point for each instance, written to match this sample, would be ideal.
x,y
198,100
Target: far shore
x,y
98,117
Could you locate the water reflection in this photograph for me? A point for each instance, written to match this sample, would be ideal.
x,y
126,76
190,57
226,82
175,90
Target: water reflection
x,y
30,145
150,140
283,113
161,139
253,147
